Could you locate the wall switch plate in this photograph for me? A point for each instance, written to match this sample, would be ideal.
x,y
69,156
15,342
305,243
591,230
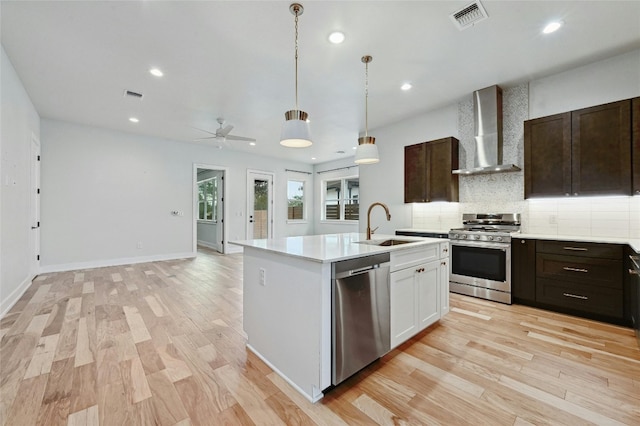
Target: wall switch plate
x,y
262,276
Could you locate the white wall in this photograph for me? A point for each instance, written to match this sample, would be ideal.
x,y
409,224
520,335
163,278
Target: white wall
x,y
105,191
20,124
598,83
325,171
384,181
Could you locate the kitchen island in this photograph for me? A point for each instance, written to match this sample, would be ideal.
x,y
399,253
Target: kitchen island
x,y
287,297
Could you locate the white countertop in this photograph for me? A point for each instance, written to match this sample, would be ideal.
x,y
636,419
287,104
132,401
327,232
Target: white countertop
x,y
333,247
634,243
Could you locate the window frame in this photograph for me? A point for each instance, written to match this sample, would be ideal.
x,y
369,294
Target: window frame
x,y
214,204
305,197
341,201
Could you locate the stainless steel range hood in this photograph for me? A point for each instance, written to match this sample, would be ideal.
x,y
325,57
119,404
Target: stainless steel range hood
x,y
487,115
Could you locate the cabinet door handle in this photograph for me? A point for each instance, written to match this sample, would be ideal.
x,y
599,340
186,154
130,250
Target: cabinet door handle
x,y
575,296
567,268
576,248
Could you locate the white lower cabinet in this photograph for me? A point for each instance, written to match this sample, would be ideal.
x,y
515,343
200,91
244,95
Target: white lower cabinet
x,y
415,299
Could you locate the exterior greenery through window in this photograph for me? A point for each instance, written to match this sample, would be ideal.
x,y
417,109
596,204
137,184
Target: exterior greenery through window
x,y
341,199
208,199
295,196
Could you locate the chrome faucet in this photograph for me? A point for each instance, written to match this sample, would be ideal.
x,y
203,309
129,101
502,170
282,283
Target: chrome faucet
x,y
386,209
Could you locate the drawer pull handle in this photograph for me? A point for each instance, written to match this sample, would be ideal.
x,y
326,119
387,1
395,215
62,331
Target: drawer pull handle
x,y
567,268
575,296
576,248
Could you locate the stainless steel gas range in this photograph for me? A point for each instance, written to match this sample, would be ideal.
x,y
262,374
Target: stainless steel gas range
x,y
481,255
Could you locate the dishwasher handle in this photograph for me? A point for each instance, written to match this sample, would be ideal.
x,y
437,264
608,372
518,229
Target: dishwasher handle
x,y
362,270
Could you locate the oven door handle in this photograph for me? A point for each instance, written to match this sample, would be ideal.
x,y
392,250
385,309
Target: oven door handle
x,y
481,244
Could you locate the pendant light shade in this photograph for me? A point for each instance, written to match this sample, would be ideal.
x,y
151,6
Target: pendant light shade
x,y
295,129
367,151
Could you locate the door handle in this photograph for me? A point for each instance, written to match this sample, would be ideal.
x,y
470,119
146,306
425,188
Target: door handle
x,y
35,227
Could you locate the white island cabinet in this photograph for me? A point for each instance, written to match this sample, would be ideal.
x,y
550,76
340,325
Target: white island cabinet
x,y
287,298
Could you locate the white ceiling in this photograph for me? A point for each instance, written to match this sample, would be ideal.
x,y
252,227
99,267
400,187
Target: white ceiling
x,y
234,59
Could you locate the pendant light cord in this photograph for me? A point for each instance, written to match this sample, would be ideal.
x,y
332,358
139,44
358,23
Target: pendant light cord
x,y
366,98
296,58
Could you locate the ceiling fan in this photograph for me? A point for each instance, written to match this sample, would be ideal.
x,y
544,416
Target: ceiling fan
x,y
222,133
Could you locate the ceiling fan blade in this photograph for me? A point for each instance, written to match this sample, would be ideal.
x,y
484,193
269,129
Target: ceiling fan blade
x,y
203,130
206,139
225,131
240,138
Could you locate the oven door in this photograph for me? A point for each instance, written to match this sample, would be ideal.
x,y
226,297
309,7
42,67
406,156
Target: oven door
x,y
481,264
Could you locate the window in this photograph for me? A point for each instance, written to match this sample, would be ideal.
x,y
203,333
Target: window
x,y
341,199
295,203
208,199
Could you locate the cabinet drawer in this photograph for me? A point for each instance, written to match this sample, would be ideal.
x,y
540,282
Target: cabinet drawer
x,y
600,272
573,248
582,297
401,259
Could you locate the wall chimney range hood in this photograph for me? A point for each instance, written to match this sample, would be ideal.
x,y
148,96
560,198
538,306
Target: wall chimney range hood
x,y
487,117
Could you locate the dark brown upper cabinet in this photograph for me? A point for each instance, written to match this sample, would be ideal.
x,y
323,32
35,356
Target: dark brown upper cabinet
x,y
582,152
635,141
427,171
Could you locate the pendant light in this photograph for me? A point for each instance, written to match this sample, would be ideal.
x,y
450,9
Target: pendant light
x,y
295,130
367,151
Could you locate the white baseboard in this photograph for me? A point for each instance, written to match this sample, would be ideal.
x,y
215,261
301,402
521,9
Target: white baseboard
x,y
7,303
209,244
311,398
113,262
232,248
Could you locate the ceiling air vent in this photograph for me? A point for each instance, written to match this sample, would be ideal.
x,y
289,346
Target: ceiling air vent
x,y
135,95
469,15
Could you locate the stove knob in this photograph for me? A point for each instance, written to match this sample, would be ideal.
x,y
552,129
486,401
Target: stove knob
x,y
499,238
464,237
477,237
490,237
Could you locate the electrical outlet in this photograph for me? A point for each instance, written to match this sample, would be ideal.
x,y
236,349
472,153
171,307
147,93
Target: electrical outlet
x,y
553,219
139,245
262,277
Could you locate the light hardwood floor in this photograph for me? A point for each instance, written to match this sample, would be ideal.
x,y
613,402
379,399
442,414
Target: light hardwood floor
x,y
162,343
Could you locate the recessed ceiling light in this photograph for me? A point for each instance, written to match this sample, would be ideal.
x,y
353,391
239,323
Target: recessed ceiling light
x,y
355,147
313,158
336,37
133,119
406,86
252,143
552,27
156,72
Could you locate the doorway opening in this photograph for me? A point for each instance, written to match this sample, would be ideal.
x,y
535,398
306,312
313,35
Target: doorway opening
x,y
209,189
259,204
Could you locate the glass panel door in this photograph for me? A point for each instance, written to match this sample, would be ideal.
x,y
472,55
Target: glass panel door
x,y
260,206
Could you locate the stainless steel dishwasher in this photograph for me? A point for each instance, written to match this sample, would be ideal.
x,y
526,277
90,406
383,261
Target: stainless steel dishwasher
x,y
360,314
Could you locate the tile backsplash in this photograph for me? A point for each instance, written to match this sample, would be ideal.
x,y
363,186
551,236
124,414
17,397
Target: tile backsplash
x,y
586,217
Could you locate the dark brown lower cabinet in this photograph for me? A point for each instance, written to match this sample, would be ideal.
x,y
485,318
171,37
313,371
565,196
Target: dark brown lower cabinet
x,y
523,271
579,278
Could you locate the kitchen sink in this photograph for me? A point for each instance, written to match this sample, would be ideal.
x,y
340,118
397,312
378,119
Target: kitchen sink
x,y
385,243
